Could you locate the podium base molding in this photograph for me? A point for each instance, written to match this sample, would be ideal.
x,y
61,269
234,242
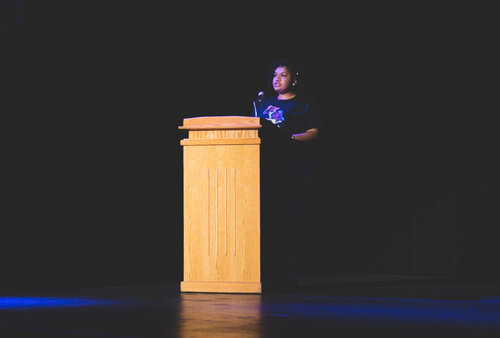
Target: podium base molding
x,y
221,287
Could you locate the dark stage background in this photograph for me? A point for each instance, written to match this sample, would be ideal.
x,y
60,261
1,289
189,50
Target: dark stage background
x,y
92,93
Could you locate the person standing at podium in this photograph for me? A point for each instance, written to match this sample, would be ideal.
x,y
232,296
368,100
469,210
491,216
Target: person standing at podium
x,y
297,121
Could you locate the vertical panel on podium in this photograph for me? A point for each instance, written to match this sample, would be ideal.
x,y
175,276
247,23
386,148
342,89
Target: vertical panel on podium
x,y
222,205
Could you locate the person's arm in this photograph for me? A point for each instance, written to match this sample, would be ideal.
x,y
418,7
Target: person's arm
x,y
309,135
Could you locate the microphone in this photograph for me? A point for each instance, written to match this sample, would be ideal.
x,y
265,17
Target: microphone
x,y
260,97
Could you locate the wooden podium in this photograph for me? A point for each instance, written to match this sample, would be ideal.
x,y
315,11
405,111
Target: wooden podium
x,y
222,249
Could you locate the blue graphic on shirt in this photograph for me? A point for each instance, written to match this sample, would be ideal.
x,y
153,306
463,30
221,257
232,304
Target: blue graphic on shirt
x,y
274,114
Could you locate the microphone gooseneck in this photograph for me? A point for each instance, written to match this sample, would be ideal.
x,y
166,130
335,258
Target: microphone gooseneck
x,y
260,98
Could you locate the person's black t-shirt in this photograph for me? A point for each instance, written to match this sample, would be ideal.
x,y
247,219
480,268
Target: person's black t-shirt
x,y
296,115
293,116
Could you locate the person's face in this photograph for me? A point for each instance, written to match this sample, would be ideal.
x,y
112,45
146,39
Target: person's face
x,y
282,80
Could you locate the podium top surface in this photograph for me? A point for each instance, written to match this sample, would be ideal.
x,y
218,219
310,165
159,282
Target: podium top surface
x,y
221,122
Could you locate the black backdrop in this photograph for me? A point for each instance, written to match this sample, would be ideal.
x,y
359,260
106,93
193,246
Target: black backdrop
x,y
94,91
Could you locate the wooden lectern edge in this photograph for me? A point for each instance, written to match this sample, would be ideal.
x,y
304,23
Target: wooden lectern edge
x,y
220,126
220,122
229,141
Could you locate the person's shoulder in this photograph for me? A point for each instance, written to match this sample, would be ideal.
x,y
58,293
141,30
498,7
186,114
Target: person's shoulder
x,y
270,99
302,100
307,98
311,101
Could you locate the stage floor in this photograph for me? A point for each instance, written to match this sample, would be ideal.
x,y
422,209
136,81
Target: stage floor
x,y
324,306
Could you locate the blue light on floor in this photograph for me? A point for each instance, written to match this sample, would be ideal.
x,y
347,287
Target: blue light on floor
x,y
47,302
485,311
